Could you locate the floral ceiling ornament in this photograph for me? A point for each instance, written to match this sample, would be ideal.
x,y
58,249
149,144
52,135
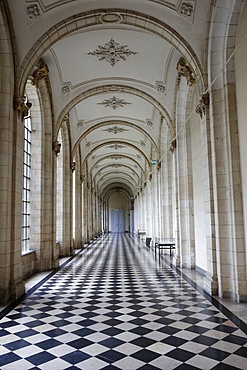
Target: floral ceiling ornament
x,y
115,130
116,146
33,11
186,9
112,52
114,103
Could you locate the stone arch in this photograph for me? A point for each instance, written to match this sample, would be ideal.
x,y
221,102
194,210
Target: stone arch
x,y
122,88
92,18
113,122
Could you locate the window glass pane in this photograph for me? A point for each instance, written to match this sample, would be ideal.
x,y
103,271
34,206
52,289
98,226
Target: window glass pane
x,y
26,184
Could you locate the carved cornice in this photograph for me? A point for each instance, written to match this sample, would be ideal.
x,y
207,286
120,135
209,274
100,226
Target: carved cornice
x,y
22,106
203,103
56,147
40,73
184,70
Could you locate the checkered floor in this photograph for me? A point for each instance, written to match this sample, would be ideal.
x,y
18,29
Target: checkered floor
x,y
115,306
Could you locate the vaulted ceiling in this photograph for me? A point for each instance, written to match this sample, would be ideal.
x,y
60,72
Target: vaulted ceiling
x,y
112,68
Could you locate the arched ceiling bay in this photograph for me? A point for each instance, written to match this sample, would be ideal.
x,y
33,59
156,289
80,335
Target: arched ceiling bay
x,y
113,73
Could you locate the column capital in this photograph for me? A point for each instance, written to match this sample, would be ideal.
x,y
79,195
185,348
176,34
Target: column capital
x,y
22,106
203,104
56,147
41,72
173,145
72,166
185,70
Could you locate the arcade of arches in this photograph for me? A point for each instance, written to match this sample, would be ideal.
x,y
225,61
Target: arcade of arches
x,y
121,116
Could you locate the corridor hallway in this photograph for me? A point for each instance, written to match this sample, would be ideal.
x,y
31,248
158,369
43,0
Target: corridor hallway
x,y
116,305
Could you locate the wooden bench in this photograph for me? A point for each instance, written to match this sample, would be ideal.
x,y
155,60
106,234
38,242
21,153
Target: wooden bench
x,y
164,243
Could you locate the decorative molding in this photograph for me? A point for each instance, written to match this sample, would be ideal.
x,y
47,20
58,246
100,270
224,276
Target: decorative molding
x,y
150,177
83,178
112,52
22,106
142,143
72,166
88,143
116,157
203,103
158,165
116,146
81,123
115,130
116,165
114,103
93,157
33,11
110,17
160,86
65,89
56,147
41,72
138,156
184,70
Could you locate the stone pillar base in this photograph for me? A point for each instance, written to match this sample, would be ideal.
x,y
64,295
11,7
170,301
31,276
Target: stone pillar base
x,y
210,284
175,260
17,289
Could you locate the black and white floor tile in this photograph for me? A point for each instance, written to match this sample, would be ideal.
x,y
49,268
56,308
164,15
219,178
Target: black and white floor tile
x,y
115,306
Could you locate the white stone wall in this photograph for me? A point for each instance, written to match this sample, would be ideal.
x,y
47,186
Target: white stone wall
x,y
241,92
198,189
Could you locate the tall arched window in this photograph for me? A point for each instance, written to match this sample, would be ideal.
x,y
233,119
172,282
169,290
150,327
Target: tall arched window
x,y
26,184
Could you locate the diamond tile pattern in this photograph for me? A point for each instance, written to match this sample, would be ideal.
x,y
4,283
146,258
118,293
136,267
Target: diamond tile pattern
x,y
115,306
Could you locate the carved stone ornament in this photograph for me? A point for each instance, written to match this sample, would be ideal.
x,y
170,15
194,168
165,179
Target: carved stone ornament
x,y
149,122
114,103
40,73
72,166
22,106
116,146
185,70
80,124
150,177
115,130
33,11
173,145
186,9
203,103
158,165
56,146
112,52
160,86
82,178
65,89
